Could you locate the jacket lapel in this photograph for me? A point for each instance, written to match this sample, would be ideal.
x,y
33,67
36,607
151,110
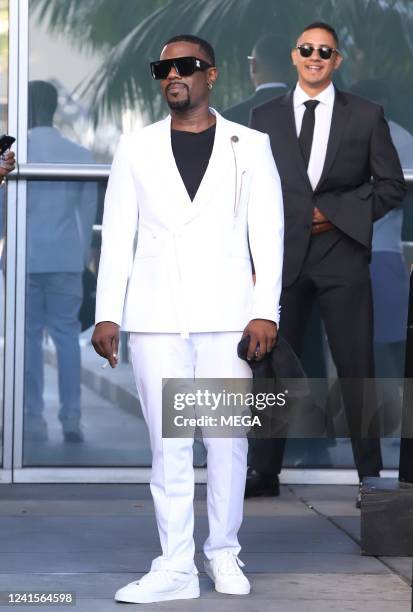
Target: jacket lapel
x,y
172,195
338,123
170,173
220,160
181,209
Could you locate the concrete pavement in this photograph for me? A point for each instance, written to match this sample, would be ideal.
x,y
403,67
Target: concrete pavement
x,y
301,550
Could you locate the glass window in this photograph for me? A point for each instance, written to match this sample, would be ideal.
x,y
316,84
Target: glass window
x,y
97,55
89,81
3,202
79,38
75,412
4,61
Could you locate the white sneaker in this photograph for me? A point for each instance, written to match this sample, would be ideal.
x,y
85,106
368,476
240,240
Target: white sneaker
x,y
225,571
160,585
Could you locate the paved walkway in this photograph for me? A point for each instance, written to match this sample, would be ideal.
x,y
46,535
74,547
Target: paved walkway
x,y
301,550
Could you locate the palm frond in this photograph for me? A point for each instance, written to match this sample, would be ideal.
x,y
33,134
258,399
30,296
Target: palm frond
x,y
92,24
377,40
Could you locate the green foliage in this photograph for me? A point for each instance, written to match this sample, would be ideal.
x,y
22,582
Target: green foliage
x,y
93,24
376,35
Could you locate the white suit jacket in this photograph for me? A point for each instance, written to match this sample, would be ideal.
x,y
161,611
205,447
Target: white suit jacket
x,y
191,269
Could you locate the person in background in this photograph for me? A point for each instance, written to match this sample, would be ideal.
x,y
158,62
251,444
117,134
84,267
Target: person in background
x,y
7,165
328,146
269,72
60,217
389,275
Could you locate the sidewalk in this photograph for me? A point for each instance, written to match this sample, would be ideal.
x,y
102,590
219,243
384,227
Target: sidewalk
x,y
301,550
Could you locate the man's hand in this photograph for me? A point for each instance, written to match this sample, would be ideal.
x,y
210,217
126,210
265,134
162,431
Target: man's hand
x,y
318,216
263,335
105,341
8,163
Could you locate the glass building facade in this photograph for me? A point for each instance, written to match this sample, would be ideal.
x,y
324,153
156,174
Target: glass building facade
x,y
74,76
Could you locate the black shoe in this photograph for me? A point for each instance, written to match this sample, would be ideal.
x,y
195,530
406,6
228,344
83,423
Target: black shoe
x,y
73,436
358,498
72,431
261,485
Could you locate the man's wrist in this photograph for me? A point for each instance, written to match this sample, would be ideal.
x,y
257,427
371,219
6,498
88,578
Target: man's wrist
x,y
101,323
274,321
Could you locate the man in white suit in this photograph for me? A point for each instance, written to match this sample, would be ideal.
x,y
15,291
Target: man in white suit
x,y
197,189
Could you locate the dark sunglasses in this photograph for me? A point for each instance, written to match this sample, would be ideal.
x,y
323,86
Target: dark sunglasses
x,y
184,66
324,52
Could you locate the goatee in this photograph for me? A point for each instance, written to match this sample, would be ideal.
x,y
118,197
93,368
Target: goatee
x,y
179,105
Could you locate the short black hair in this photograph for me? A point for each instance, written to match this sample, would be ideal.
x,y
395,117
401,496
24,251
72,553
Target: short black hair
x,y
272,50
196,40
43,98
322,25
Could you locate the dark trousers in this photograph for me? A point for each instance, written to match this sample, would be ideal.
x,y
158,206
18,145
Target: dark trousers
x,y
335,273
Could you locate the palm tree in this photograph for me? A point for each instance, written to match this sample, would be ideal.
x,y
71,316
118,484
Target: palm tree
x,y
377,39
93,24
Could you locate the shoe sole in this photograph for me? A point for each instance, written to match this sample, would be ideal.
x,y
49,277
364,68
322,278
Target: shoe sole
x,y
161,597
220,589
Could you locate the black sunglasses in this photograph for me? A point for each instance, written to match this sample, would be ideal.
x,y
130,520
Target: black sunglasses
x,y
184,66
324,52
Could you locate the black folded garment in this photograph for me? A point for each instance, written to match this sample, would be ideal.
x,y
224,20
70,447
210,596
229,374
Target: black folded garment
x,y
281,372
281,364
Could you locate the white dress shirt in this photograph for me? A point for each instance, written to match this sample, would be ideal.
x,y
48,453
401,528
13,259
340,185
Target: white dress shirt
x,y
323,114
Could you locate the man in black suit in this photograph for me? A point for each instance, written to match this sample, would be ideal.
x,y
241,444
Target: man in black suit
x,y
339,172
269,67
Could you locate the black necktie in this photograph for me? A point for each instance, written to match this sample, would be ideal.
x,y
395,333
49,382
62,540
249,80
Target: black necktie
x,y
307,130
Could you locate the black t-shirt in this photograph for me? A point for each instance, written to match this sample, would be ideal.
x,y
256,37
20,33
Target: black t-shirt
x,y
192,151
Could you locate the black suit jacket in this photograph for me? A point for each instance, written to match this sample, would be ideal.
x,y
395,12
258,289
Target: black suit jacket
x,y
361,180
240,113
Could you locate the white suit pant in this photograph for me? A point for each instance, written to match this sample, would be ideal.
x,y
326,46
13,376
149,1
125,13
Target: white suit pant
x,y
202,355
